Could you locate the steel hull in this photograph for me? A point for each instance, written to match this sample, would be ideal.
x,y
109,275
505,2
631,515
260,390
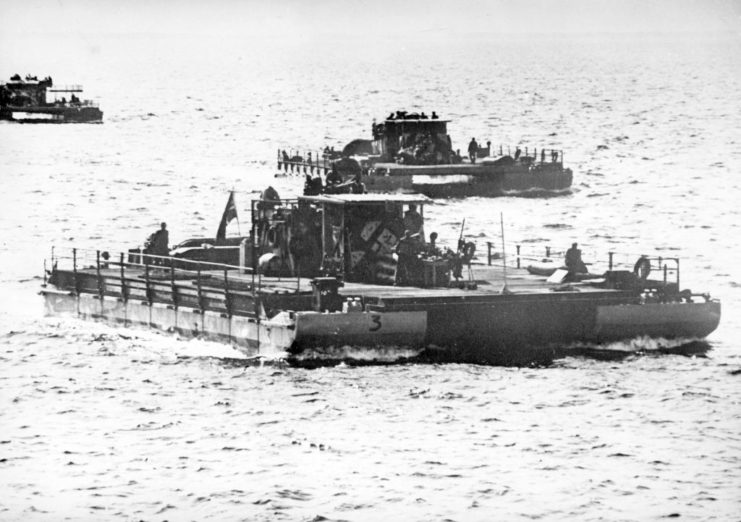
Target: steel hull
x,y
503,330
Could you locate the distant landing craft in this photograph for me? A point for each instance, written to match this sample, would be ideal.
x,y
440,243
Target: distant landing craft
x,y
414,153
38,101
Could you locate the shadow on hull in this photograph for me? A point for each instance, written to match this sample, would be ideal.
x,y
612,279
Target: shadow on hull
x,y
523,358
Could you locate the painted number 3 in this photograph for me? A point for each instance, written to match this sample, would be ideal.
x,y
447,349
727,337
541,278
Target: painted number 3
x,y
376,323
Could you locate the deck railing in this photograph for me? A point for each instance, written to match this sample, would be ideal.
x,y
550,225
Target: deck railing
x,y
159,278
666,266
65,88
305,162
211,286
295,161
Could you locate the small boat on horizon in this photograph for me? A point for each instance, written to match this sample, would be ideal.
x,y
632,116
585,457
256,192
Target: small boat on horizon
x,y
31,100
413,153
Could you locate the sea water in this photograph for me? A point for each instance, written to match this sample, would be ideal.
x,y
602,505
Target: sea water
x,y
102,423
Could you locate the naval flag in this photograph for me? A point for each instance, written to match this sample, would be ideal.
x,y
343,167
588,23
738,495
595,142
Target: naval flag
x,y
230,213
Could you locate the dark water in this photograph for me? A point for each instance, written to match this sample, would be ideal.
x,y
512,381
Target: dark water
x,y
115,424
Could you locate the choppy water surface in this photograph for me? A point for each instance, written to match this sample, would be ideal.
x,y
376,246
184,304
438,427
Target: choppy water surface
x,y
115,424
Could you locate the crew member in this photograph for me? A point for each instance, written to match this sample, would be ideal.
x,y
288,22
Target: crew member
x,y
573,261
408,266
334,177
432,249
310,186
412,220
158,244
304,248
357,187
473,148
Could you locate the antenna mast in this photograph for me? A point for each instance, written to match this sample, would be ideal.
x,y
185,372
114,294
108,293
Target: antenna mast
x,y
504,289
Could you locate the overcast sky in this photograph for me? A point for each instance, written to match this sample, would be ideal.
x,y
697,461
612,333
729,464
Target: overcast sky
x,y
365,18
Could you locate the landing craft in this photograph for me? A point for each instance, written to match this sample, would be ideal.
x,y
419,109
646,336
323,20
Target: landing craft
x,y
321,273
411,152
40,101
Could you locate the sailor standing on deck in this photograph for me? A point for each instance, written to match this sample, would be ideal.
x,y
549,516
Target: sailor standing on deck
x,y
574,262
412,220
473,148
158,244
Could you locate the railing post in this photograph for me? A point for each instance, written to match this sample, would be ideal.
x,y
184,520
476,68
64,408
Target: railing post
x,y
173,288
74,270
146,282
518,256
198,284
609,264
124,296
677,261
97,273
488,256
666,273
548,251
227,295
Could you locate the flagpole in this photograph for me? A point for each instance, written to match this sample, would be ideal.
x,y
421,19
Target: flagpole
x,y
230,213
239,227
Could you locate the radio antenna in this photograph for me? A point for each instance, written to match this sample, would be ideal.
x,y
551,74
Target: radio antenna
x,y
504,289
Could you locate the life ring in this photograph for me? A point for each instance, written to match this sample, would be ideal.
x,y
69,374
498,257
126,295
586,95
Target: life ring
x,y
469,249
642,267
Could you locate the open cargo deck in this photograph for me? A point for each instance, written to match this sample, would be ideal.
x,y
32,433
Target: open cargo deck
x,y
473,321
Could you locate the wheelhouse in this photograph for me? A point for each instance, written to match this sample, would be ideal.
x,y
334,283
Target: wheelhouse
x,y
353,236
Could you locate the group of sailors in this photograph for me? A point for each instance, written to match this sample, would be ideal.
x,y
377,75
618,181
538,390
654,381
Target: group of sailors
x,y
475,151
17,78
327,153
412,251
404,115
333,184
423,149
73,100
